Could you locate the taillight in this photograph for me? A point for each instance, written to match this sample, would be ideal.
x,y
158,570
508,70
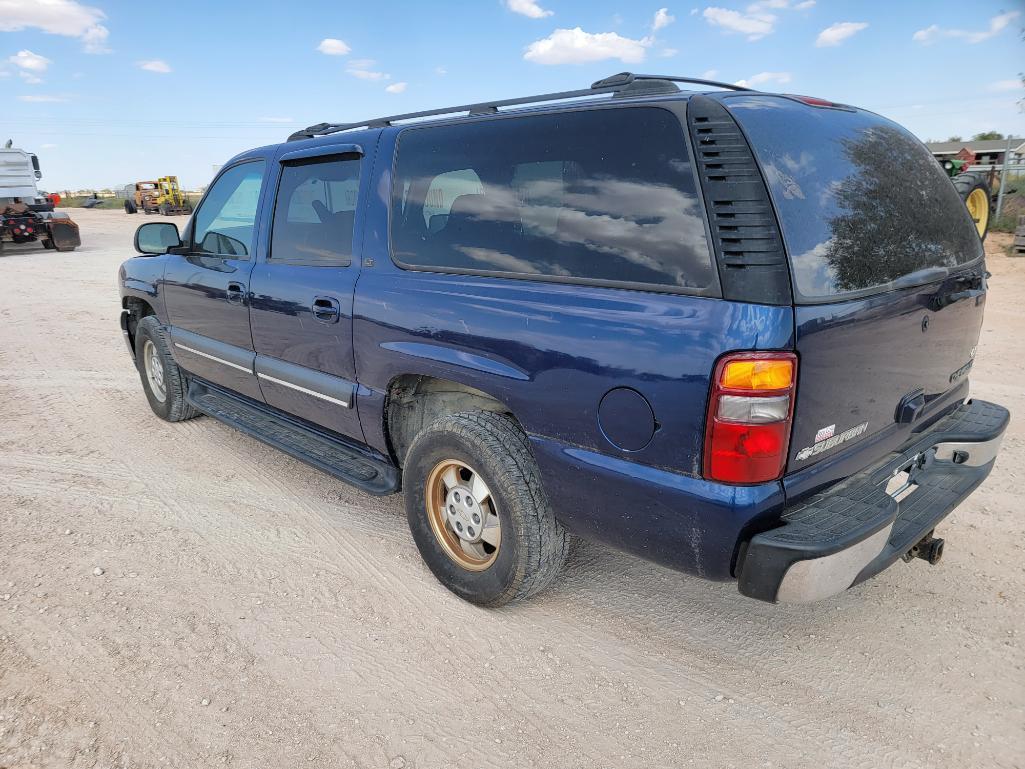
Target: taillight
x,y
747,432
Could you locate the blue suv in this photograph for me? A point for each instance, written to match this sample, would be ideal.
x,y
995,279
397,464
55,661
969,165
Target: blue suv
x,y
724,330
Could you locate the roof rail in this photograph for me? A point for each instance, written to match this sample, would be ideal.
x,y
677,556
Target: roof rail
x,y
623,84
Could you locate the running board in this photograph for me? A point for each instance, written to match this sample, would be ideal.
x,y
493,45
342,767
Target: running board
x,y
330,455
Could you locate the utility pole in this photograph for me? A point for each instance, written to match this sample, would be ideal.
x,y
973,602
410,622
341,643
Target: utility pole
x,y
1003,178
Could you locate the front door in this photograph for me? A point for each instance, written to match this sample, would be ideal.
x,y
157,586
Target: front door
x,y
302,292
206,286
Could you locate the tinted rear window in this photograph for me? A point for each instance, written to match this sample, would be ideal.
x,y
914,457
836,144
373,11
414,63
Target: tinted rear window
x,y
862,202
601,195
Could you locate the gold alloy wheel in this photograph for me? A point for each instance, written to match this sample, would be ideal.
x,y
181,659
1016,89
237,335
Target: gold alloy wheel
x,y
463,515
978,209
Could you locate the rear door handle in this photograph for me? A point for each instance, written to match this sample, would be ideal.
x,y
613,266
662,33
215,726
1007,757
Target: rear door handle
x,y
326,310
236,293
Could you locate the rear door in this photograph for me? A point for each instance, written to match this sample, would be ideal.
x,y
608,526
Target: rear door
x,y
206,285
888,274
887,269
302,292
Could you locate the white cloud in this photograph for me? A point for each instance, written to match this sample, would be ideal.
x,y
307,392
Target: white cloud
x,y
709,74
574,46
276,120
528,8
440,71
754,24
996,25
668,53
1005,85
332,46
29,78
57,17
361,68
765,77
662,19
154,65
805,5
396,87
48,146
40,98
835,34
32,62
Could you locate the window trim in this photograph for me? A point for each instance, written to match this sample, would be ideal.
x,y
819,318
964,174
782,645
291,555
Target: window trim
x,y
191,226
315,156
676,107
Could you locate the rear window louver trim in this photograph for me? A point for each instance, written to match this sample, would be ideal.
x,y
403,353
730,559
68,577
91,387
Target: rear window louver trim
x,y
745,234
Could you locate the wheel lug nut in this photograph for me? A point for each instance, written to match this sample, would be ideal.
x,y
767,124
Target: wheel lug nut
x,y
476,518
456,496
469,530
459,526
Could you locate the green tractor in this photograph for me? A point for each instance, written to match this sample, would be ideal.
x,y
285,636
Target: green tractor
x,y
974,190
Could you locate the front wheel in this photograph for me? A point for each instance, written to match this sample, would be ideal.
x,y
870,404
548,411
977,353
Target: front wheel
x,y
477,510
162,380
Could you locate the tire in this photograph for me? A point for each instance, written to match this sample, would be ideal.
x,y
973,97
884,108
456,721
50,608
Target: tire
x,y
975,193
532,545
165,209
66,249
130,207
172,407
47,244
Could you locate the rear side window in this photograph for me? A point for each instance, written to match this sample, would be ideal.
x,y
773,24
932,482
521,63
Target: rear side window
x,y
602,195
861,201
315,211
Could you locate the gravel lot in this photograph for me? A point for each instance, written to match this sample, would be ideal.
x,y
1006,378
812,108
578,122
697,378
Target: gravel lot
x,y
253,612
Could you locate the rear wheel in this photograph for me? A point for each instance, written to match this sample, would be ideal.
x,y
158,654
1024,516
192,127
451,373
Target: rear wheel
x,y
162,380
974,191
130,207
477,511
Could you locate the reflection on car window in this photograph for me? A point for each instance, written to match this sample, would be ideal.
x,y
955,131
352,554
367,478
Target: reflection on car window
x,y
315,211
226,220
862,202
603,195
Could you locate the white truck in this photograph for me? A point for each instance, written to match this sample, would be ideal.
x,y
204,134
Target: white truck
x,y
25,215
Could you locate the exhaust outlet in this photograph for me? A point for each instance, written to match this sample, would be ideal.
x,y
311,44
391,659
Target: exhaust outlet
x,y
928,548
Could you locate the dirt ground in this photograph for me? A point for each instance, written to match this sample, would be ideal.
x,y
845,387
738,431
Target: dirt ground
x,y
253,612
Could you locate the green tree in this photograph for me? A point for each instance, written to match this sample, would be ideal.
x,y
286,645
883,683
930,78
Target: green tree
x,y
955,139
987,135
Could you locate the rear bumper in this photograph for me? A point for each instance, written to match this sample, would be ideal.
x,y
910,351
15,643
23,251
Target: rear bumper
x,y
855,529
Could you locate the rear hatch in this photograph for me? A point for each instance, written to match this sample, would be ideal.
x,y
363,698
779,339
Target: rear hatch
x,y
887,272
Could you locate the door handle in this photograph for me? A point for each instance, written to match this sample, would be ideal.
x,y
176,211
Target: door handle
x,y
236,293
326,310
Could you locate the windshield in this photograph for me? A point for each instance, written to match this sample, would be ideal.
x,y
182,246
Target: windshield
x,y
863,205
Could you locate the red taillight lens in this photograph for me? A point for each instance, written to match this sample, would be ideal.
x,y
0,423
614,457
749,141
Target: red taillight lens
x,y
749,414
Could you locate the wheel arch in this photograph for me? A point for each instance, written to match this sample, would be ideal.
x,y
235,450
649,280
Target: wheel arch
x,y
134,309
413,401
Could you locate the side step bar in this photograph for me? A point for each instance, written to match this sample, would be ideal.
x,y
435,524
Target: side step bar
x,y
329,454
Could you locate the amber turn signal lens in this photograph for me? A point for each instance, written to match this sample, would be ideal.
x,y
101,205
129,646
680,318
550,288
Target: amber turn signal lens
x,y
771,374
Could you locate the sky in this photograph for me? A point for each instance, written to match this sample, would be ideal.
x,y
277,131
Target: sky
x,y
110,92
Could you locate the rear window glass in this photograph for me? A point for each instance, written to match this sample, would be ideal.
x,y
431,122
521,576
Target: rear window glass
x,y
861,201
601,195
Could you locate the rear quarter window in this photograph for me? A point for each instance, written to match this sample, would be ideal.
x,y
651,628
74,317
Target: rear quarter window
x,y
605,195
861,201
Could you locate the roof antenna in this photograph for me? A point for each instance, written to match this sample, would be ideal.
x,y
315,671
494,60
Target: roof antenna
x,y
10,143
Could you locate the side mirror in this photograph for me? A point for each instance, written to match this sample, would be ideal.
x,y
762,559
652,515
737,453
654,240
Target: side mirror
x,y
157,237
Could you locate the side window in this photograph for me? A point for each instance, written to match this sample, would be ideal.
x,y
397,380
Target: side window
x,y
225,223
442,192
315,211
605,195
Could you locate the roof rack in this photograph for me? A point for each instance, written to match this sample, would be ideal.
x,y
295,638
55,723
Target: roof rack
x,y
622,84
